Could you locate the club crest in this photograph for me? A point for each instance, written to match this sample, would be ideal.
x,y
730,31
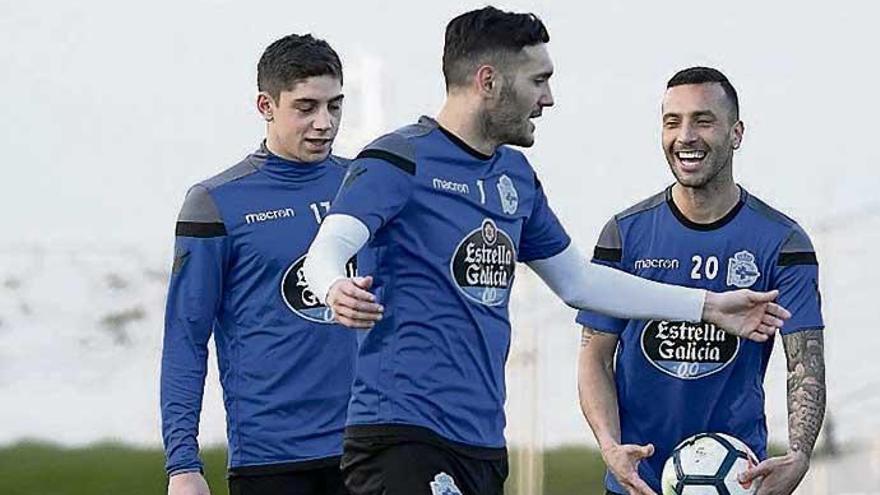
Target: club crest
x,y
443,484
742,271
508,194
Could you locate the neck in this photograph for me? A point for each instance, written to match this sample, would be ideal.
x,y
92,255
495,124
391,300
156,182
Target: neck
x,y
273,146
706,204
462,118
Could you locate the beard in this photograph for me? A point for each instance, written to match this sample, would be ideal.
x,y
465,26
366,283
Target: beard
x,y
508,121
707,176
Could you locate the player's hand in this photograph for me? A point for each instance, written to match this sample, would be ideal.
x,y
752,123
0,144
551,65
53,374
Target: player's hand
x,y
352,303
749,314
623,462
188,484
778,475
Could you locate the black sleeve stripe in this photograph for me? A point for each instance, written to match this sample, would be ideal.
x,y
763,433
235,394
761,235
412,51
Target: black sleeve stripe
x,y
791,259
398,161
198,229
608,254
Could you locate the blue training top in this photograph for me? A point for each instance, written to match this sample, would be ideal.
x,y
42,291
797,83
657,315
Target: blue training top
x,y
286,372
676,379
447,226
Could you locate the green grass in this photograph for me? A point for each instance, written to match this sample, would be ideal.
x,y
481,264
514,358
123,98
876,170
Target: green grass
x,y
103,469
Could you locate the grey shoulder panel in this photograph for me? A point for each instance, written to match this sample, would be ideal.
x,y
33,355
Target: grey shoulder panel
x,y
609,246
769,212
397,147
242,169
797,242
199,207
645,205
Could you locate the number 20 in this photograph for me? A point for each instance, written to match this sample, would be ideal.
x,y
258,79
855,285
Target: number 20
x,y
710,268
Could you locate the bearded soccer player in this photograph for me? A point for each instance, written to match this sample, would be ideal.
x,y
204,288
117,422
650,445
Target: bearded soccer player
x,y
285,367
449,210
672,379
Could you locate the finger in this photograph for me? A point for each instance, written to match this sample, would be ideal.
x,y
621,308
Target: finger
x,y
756,336
648,450
350,323
353,290
762,469
771,320
767,330
769,296
639,487
359,305
349,312
778,311
363,282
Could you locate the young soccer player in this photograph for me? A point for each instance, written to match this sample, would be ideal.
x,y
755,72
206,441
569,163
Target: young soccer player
x,y
449,211
285,367
672,379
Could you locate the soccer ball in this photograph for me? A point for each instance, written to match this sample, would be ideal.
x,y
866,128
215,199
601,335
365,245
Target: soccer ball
x,y
708,464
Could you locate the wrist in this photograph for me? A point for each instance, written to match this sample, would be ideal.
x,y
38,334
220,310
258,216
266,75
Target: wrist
x,y
710,306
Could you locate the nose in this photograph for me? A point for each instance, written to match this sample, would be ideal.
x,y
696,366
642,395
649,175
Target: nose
x,y
686,133
323,120
546,99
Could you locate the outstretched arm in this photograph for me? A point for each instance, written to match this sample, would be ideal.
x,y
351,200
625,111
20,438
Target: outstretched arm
x,y
585,285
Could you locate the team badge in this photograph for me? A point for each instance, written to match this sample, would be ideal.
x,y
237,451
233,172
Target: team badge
x,y
688,351
300,299
483,264
509,196
742,271
443,484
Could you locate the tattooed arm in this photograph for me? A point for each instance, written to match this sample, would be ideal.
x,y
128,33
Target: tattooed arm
x,y
598,397
805,356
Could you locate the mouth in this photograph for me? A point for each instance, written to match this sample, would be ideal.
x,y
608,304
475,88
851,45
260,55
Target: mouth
x,y
690,160
318,143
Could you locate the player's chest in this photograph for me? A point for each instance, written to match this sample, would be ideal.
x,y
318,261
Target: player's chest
x,y
451,205
275,223
717,260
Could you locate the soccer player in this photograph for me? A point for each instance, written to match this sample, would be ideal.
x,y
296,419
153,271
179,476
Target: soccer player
x,y
672,379
449,211
285,368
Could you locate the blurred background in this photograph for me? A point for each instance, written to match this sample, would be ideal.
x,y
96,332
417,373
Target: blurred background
x,y
113,109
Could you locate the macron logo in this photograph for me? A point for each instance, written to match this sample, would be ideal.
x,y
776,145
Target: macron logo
x,y
263,216
448,185
661,263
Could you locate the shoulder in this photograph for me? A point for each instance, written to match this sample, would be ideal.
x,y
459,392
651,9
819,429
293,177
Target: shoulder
x,y
644,206
399,147
796,246
200,205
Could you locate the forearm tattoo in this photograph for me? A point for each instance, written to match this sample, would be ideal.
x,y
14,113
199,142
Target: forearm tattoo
x,y
587,335
805,354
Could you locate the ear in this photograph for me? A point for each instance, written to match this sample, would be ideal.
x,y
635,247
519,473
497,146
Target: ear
x,y
738,130
488,81
266,106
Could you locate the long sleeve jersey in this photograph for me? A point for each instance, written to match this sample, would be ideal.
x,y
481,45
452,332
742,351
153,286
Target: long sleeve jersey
x,y
285,368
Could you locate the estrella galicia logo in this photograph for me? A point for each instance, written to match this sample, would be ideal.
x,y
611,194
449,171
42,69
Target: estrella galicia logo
x,y
483,264
508,194
444,484
742,271
688,350
299,297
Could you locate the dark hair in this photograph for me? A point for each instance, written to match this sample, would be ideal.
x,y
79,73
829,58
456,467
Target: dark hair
x,y
294,58
487,33
702,75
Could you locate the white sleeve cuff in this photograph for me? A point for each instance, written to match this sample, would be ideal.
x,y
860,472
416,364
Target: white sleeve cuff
x,y
339,238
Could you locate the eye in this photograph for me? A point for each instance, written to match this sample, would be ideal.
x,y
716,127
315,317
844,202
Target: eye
x,y
306,107
670,124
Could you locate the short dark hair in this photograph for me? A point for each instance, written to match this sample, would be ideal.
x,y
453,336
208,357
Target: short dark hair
x,y
294,58
702,75
486,34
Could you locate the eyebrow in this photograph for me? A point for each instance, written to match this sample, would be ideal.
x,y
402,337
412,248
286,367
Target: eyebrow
x,y
699,113
314,101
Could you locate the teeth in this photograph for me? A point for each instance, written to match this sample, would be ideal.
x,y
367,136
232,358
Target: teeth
x,y
691,155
